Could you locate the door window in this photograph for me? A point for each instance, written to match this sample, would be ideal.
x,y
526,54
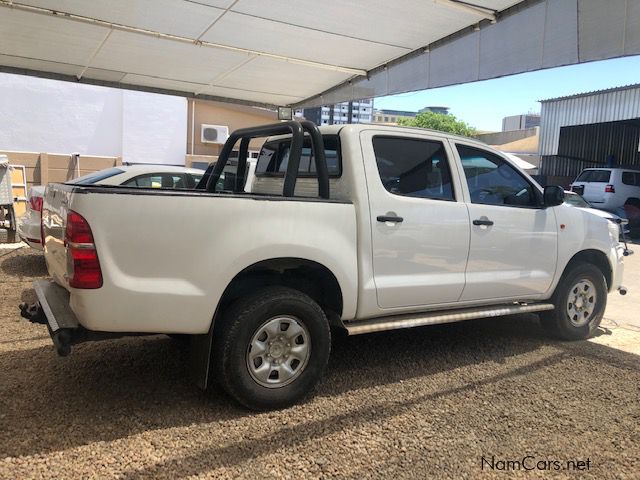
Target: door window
x,y
158,180
413,168
492,181
631,178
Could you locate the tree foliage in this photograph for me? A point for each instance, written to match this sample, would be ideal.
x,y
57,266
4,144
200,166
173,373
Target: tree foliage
x,y
439,121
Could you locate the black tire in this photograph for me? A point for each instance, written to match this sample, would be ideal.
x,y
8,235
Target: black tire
x,y
181,338
558,322
233,335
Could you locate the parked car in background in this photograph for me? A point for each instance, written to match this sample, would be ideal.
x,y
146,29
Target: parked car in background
x,y
150,176
608,188
575,200
29,224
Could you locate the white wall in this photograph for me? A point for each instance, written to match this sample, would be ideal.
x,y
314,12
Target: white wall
x,y
40,115
154,128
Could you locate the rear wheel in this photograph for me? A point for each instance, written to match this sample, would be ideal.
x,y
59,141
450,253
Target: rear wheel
x,y
271,348
580,300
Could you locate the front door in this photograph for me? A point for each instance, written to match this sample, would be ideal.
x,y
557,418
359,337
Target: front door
x,y
419,222
513,249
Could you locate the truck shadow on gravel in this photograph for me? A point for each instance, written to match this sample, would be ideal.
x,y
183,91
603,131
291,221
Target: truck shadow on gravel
x,y
110,390
297,436
25,265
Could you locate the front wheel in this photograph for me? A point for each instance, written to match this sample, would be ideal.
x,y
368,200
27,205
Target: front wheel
x,y
580,300
271,348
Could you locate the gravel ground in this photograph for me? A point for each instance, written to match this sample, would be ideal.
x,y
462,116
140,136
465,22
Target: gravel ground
x,y
428,402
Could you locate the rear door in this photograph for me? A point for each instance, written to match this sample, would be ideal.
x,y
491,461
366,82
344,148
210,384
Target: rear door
x,y
419,223
513,250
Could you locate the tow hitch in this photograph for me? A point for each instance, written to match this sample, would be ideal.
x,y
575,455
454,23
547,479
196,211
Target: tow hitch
x,y
33,313
62,338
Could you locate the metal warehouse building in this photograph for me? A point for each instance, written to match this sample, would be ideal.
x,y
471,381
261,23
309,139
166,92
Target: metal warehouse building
x,y
592,129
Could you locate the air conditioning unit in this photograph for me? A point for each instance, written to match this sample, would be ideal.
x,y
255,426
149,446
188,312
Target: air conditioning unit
x,y
214,133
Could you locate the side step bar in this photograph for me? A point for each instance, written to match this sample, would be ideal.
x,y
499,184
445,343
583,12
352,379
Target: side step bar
x,y
418,320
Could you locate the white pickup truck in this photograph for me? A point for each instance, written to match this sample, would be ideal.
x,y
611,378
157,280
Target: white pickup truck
x,y
362,227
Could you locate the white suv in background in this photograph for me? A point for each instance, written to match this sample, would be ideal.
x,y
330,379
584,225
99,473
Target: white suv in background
x,y
608,188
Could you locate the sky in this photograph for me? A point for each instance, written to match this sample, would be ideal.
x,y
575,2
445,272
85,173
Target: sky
x,y
483,104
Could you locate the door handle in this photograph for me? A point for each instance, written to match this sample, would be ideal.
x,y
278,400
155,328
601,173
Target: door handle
x,y
483,221
389,218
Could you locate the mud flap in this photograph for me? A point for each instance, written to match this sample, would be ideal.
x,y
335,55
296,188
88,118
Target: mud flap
x,y
200,358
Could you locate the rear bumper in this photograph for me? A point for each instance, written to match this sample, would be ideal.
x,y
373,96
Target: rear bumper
x,y
52,310
29,230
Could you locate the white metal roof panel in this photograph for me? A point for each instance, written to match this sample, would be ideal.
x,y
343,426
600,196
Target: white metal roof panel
x,y
306,52
403,23
46,38
157,57
299,42
159,15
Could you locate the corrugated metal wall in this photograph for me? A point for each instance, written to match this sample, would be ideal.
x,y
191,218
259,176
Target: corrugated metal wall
x,y
585,146
600,107
563,167
584,130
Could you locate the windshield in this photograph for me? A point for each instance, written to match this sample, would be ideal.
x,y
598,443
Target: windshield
x,y
575,200
95,177
599,176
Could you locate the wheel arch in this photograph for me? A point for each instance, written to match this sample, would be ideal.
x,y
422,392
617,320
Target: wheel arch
x,y
307,276
596,258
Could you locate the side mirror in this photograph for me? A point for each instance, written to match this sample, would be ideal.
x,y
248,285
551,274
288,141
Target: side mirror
x,y
553,196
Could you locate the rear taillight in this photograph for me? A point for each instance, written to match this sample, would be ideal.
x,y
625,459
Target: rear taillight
x,y
82,257
35,203
609,189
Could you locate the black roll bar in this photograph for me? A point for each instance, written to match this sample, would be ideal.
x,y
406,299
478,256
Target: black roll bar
x,y
297,130
242,164
319,156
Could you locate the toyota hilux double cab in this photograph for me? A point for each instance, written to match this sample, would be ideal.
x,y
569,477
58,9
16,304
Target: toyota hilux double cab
x,y
360,227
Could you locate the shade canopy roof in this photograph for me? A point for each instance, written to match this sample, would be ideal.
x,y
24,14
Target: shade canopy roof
x,y
302,52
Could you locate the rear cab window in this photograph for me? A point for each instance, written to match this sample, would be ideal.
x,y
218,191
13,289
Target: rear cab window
x,y
274,158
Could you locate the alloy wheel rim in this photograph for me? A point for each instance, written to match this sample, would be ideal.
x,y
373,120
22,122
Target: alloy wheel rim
x,y
278,352
581,302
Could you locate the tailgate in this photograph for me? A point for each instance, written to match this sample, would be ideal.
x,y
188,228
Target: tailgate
x,y
594,192
591,184
57,198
